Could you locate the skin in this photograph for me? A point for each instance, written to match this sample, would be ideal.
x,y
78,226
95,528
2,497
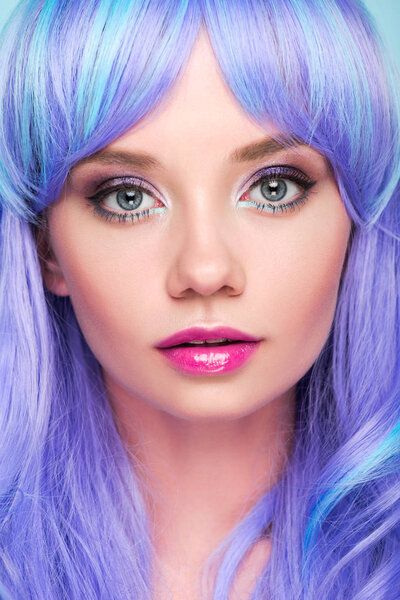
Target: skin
x,y
206,259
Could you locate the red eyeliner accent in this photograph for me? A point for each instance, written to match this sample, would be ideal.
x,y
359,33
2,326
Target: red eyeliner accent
x,y
293,174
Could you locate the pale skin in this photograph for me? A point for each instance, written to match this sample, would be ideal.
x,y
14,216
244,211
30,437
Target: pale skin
x,y
210,445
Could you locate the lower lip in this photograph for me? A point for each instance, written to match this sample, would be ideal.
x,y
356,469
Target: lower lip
x,y
209,360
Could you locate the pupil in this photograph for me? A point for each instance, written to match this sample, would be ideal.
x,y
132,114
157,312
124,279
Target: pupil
x,y
129,199
274,190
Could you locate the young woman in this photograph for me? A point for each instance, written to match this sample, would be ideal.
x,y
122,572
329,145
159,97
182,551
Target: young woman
x,y
200,302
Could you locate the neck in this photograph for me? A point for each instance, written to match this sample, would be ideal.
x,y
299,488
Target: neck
x,y
202,476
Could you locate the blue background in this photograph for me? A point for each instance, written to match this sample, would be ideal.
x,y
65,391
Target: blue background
x,y
386,13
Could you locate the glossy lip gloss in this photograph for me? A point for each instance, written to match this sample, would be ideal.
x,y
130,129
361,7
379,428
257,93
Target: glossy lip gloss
x,y
208,360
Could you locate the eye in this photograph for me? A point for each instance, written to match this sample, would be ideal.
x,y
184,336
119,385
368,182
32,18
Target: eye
x,y
279,188
274,190
126,200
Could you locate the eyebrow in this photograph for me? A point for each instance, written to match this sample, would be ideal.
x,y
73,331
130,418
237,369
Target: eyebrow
x,y
264,147
253,151
121,157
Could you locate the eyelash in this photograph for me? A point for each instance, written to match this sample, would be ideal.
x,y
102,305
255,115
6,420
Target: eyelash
x,y
266,174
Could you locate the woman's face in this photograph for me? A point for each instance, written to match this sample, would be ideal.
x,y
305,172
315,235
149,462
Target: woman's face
x,y
206,258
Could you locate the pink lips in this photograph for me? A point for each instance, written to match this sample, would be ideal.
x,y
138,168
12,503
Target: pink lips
x,y
203,360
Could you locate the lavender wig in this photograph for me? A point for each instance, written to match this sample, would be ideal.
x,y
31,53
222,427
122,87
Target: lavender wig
x,y
74,76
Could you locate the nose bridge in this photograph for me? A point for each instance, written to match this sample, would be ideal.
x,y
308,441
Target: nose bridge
x,y
205,260
204,219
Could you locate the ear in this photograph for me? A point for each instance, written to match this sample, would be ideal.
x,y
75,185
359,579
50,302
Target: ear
x,y
52,274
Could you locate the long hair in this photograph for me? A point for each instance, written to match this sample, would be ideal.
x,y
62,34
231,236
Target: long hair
x,y
74,76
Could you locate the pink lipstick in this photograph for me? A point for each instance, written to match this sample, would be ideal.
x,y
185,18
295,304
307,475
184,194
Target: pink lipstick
x,y
201,351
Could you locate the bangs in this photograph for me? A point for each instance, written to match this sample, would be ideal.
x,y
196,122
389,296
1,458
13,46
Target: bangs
x,y
314,69
83,75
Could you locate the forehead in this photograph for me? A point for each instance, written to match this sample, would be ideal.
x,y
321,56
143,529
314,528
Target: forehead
x,y
200,100
199,124
199,110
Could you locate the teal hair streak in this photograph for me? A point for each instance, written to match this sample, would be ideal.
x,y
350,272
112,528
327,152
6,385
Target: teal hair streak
x,y
383,460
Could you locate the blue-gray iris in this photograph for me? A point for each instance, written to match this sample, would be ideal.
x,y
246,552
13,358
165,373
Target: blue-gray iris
x,y
274,190
129,199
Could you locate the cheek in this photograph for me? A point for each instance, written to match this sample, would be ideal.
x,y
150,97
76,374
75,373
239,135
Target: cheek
x,y
108,284
303,282
310,301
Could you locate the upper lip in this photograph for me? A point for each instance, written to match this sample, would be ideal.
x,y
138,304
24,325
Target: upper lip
x,y
203,333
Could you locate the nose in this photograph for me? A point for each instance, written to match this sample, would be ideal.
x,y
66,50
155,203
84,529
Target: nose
x,y
206,258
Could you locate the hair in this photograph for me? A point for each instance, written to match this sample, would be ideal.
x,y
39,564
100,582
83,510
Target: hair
x,y
76,75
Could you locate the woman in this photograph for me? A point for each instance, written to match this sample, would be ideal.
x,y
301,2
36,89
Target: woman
x,y
199,302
